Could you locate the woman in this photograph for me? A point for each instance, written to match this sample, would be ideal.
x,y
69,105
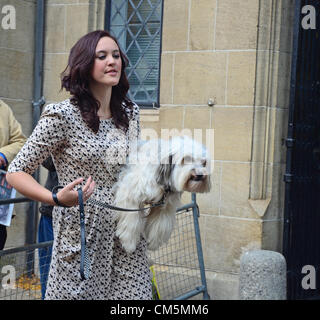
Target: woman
x,y
88,137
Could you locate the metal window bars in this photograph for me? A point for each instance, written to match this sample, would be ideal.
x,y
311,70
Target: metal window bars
x,y
177,267
137,26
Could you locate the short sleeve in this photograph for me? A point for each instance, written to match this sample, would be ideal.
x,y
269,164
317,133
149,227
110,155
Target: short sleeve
x,y
14,139
134,123
47,138
134,128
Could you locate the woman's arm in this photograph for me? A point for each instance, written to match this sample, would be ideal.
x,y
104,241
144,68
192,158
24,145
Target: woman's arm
x,y
30,188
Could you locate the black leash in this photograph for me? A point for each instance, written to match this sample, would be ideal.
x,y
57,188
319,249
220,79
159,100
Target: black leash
x,y
84,258
109,206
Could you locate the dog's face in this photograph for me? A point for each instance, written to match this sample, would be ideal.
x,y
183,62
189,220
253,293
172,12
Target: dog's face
x,y
192,174
187,167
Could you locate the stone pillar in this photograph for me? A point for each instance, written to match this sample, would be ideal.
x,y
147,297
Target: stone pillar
x,y
262,276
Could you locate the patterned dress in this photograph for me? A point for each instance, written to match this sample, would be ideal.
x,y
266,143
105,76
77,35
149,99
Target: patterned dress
x,y
78,152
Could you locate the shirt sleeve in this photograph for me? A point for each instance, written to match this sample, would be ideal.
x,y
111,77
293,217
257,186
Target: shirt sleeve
x,y
134,128
48,137
16,138
134,124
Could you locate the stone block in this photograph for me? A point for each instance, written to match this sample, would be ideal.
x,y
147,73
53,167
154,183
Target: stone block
x,y
270,129
273,79
276,190
54,29
197,118
171,118
21,38
17,74
222,286
235,188
236,25
149,123
175,25
275,25
166,78
272,235
53,66
241,78
199,76
267,190
224,239
75,30
202,21
232,133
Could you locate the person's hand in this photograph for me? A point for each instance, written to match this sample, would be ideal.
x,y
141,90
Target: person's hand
x,y
69,197
3,162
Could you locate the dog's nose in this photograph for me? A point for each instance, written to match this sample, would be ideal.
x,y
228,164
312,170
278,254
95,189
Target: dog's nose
x,y
199,177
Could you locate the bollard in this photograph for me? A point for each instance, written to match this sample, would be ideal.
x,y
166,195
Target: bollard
x,y
262,276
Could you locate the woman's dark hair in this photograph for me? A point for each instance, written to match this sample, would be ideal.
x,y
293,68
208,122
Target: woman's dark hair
x,y
77,76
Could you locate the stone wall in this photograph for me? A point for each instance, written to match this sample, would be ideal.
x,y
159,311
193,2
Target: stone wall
x,y
66,22
16,85
236,53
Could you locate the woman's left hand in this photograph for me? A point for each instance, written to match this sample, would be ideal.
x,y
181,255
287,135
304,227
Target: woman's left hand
x,y
69,197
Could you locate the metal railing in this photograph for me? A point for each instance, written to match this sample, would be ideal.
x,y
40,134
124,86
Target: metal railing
x,y
177,267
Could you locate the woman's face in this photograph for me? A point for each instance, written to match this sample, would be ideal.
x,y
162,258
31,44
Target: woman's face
x,y
107,64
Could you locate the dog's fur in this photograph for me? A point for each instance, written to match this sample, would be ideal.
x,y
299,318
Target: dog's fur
x,y
177,165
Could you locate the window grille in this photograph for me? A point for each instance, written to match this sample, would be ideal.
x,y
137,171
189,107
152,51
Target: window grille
x,y
137,25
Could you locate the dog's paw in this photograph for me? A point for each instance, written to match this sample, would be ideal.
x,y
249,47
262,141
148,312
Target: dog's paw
x,y
154,245
129,247
128,244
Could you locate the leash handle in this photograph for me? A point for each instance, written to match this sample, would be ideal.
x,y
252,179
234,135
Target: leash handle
x,y
84,259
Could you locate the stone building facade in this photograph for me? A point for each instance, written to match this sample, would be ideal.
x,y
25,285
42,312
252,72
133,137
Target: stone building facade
x,y
236,53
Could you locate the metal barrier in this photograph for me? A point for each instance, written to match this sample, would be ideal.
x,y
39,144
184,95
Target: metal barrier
x,y
177,267
20,271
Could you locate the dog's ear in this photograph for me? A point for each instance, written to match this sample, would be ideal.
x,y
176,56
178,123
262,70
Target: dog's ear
x,y
164,172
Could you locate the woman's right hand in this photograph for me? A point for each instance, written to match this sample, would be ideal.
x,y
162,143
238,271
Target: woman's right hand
x,y
69,197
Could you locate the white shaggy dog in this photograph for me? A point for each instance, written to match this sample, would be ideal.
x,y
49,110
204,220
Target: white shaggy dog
x,y
158,170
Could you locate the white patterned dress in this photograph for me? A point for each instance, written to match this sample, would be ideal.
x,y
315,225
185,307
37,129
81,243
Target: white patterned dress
x,y
78,152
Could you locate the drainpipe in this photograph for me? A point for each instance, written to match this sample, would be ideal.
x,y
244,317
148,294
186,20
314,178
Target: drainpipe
x,y
107,15
37,103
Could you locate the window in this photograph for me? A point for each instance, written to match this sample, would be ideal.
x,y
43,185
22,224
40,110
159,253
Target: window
x,y
137,26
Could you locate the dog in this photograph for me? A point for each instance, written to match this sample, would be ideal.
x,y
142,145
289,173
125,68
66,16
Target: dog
x,y
158,170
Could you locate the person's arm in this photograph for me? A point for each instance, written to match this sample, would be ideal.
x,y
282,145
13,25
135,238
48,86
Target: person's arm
x,y
30,188
49,137
3,161
16,138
